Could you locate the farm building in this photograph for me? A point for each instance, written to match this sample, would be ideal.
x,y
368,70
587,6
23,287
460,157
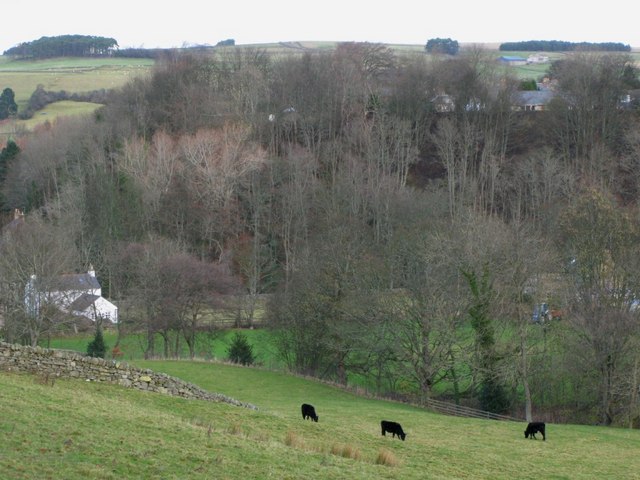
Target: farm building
x,y
77,294
512,60
532,101
537,58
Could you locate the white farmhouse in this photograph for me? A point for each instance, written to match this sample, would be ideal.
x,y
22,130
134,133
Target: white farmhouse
x,y
78,294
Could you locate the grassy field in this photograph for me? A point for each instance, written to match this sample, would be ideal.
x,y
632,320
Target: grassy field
x,y
69,74
75,430
132,345
74,75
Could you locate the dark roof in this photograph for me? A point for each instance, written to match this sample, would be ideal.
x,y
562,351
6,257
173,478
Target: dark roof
x,y
76,281
83,302
533,97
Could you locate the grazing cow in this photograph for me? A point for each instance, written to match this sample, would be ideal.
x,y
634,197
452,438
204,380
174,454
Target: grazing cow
x,y
393,428
533,428
309,412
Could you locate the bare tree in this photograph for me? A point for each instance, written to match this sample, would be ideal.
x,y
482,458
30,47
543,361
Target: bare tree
x,y
587,114
217,164
137,276
32,258
153,167
600,242
192,290
427,315
528,277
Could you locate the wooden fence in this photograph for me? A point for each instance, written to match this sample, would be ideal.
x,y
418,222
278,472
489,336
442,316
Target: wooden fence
x,y
462,411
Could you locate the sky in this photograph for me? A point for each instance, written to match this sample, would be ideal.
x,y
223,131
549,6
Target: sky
x,y
150,24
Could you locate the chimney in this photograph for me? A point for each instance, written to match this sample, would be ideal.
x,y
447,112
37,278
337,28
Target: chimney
x,y
17,213
91,271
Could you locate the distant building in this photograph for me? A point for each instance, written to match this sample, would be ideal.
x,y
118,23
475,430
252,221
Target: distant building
x,y
512,60
537,58
533,100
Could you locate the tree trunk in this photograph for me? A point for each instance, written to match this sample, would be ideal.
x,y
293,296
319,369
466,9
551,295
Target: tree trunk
x,y
454,379
633,397
525,380
149,352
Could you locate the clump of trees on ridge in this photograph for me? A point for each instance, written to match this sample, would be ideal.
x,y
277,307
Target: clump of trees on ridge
x,y
64,46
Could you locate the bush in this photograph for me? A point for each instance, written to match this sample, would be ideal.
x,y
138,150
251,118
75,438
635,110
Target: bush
x,y
97,347
493,397
241,350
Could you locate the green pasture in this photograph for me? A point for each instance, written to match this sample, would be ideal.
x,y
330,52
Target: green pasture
x,y
74,429
68,74
53,111
214,347
74,75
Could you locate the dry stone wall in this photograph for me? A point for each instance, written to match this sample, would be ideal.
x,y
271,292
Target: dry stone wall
x,y
63,363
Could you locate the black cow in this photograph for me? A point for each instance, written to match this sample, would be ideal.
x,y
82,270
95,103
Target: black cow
x,y
533,428
393,428
309,412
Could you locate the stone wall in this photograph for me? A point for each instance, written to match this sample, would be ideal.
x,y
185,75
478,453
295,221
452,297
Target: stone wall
x,y
64,363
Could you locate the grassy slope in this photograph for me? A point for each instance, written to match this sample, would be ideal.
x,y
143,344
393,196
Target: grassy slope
x,y
75,75
75,429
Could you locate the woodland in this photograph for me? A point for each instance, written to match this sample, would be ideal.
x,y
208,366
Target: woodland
x,y
396,245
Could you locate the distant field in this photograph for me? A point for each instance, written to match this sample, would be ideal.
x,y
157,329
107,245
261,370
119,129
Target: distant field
x,y
69,74
48,114
75,429
74,75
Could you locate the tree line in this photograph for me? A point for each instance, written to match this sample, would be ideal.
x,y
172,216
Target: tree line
x,y
402,247
563,46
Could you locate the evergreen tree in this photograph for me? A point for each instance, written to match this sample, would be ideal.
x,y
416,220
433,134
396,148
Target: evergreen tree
x,y
8,105
7,154
491,394
97,347
241,350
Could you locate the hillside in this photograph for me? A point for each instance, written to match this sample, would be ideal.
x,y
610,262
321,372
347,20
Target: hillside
x,y
402,214
75,429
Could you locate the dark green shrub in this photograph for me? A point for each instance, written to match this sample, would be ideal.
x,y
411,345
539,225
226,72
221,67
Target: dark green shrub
x,y
493,397
240,350
97,347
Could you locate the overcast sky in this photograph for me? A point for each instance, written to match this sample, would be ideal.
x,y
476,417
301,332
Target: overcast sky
x,y
145,23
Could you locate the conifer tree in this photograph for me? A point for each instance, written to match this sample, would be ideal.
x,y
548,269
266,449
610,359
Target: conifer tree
x,y
97,347
241,350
